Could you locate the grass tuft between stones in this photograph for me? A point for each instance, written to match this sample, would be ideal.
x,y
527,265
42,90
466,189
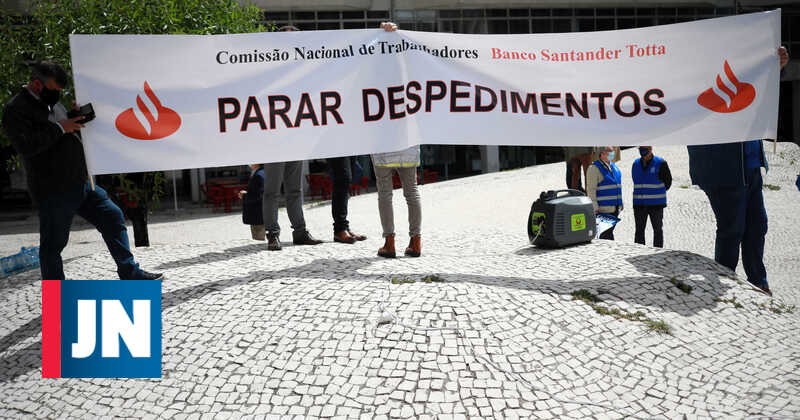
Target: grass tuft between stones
x,y
732,301
685,288
592,300
432,278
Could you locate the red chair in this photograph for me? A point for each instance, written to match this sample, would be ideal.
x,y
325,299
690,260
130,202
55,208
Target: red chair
x,y
396,183
430,176
358,185
214,195
320,185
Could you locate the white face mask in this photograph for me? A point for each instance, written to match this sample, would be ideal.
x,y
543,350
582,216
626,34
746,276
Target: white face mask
x,y
610,156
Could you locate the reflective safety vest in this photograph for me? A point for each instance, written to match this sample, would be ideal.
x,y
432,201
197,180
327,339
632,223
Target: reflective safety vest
x,y
648,189
408,158
609,190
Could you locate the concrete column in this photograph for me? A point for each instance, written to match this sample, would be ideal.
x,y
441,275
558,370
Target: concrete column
x,y
490,159
195,181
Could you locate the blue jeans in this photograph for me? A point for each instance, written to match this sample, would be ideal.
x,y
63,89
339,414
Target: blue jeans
x,y
741,223
55,219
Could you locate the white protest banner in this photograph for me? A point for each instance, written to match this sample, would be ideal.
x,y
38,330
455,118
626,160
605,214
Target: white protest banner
x,y
186,101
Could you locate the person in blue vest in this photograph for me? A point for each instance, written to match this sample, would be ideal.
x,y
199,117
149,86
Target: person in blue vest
x,y
604,187
651,180
252,203
730,175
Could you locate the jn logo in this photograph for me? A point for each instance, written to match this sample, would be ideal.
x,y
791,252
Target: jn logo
x,y
101,329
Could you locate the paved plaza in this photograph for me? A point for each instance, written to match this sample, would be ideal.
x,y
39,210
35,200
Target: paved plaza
x,y
481,326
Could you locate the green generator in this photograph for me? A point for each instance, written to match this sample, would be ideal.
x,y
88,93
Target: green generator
x,y
561,218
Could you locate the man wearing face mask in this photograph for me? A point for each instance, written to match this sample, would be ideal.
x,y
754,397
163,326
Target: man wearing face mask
x,y
651,180
604,187
52,153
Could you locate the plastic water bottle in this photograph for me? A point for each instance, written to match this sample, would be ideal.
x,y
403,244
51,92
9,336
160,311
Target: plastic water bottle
x,y
26,259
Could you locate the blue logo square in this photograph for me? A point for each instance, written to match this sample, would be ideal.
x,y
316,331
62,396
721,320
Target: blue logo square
x,y
111,329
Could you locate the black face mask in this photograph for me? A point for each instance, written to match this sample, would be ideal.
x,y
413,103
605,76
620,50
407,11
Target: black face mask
x,y
49,96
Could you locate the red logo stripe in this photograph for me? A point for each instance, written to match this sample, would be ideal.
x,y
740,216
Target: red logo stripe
x,y
51,328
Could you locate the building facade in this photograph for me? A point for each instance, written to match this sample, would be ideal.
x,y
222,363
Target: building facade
x,y
512,17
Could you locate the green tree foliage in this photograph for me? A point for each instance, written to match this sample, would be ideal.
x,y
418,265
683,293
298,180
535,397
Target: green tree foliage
x,y
44,34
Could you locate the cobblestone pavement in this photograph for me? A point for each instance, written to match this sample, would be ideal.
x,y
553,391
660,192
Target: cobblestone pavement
x,y
484,326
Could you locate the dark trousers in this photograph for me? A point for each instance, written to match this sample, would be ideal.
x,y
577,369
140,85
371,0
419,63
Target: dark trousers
x,y
656,215
741,224
55,219
342,176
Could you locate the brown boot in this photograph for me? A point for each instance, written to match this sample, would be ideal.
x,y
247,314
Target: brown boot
x,y
388,248
414,246
343,237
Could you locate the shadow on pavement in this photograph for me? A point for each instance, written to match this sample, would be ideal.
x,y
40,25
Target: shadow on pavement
x,y
211,257
651,288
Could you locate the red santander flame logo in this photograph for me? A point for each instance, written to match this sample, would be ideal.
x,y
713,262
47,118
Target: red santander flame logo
x,y
732,101
151,121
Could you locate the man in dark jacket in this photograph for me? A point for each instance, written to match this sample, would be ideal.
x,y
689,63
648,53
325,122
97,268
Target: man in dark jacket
x,y
651,180
52,154
730,175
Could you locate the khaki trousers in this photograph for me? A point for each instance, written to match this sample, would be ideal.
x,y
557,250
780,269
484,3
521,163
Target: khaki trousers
x,y
408,177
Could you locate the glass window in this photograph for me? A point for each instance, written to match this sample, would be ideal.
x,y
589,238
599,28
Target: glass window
x,y
304,16
540,12
625,23
359,14
377,14
542,26
519,26
498,26
645,21
497,12
562,12
306,26
426,26
450,13
605,24
473,13
519,12
269,16
794,24
354,25
328,15
328,25
586,25
562,25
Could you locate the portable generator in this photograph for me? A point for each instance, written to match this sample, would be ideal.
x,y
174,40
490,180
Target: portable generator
x,y
561,218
